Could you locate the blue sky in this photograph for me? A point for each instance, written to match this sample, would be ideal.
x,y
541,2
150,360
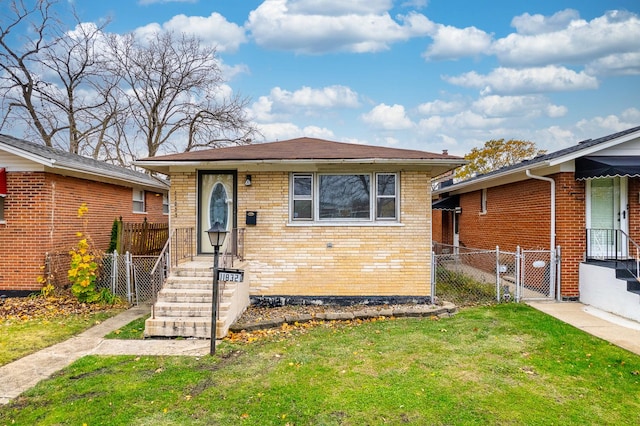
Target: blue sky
x,y
418,74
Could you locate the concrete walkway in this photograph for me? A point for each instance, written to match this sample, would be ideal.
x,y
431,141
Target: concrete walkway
x,y
617,330
26,372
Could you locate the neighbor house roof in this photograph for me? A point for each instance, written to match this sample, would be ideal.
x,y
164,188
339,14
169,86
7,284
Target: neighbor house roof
x,y
303,151
543,164
65,163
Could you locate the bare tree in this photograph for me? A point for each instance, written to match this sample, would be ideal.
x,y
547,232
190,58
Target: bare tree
x,y
19,84
172,83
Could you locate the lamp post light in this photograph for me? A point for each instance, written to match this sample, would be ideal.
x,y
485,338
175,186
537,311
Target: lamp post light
x,y
217,235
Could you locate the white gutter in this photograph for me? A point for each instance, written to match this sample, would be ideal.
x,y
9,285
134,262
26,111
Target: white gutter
x,y
553,204
553,223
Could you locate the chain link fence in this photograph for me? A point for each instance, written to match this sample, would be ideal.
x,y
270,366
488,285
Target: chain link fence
x,y
466,276
131,277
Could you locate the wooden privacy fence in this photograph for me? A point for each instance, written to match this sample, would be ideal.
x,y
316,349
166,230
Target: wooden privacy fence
x,y
143,238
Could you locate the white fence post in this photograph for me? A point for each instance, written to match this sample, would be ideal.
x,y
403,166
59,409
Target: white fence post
x,y
518,295
498,274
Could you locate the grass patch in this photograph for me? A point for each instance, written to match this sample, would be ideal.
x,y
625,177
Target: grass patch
x,y
504,364
132,331
19,338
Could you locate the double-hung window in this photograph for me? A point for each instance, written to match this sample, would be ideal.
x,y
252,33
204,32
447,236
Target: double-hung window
x,y
344,197
165,203
138,201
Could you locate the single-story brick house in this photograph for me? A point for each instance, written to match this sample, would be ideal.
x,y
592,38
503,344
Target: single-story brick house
x,y
41,190
584,198
316,218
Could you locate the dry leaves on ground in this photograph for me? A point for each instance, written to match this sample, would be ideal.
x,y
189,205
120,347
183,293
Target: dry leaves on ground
x,y
28,308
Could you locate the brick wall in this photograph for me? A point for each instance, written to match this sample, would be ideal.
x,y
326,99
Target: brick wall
x,y
518,214
41,216
336,260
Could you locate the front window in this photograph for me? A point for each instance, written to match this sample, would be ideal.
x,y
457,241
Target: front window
x,y
332,197
344,197
1,208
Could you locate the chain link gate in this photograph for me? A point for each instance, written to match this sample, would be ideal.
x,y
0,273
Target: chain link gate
x,y
466,276
130,276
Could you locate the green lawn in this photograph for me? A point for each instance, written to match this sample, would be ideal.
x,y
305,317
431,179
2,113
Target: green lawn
x,y
506,364
19,338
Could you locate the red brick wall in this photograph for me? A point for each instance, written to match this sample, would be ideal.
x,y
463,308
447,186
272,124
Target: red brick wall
x,y
518,214
41,213
634,209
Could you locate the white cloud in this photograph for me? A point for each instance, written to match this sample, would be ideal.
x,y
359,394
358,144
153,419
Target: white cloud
x,y
148,2
326,97
213,30
537,24
563,38
529,80
616,64
317,27
451,43
387,117
439,107
517,106
284,131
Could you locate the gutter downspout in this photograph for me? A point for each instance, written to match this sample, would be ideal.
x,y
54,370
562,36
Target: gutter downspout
x,y
553,222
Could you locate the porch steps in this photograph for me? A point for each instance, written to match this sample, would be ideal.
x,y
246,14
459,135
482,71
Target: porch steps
x,y
183,306
623,273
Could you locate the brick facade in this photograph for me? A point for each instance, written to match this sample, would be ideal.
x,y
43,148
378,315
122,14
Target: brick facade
x,y
41,216
315,260
518,214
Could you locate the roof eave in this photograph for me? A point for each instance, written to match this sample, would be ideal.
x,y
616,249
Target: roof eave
x,y
444,164
483,180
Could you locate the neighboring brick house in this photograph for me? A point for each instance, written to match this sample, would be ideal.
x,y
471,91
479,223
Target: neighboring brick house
x,y
331,219
41,190
597,188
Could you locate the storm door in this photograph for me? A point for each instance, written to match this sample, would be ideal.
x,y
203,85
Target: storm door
x,y
607,215
216,203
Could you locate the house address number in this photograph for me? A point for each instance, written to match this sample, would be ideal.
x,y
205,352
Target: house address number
x,y
234,275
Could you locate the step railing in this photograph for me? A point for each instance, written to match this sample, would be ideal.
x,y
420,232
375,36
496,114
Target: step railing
x,y
613,245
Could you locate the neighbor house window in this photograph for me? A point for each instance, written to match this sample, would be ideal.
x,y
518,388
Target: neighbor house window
x,y
138,201
483,201
344,197
165,203
1,208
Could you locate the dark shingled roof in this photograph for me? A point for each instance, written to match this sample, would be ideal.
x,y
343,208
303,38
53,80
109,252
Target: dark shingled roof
x,y
300,149
556,154
61,159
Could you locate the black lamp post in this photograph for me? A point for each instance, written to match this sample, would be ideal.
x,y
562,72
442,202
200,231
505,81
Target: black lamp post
x,y
217,235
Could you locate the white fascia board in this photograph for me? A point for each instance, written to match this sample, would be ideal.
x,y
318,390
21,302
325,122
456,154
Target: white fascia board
x,y
484,181
48,162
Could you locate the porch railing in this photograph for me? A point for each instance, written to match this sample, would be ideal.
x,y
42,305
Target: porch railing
x,y
614,245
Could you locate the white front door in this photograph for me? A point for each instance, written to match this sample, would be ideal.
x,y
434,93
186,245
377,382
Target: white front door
x,y
606,214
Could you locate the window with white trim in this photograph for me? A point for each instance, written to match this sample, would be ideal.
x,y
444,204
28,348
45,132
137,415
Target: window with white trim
x,y
138,201
483,201
165,203
331,197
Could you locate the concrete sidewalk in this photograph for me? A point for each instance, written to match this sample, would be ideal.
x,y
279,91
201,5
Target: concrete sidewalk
x,y
26,372
617,330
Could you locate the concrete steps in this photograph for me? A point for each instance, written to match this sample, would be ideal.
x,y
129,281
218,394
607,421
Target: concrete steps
x,y
183,306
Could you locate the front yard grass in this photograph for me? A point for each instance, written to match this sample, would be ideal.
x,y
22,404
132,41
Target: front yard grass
x,y
30,324
504,364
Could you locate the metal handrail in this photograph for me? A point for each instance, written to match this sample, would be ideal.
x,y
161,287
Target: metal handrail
x,y
610,247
